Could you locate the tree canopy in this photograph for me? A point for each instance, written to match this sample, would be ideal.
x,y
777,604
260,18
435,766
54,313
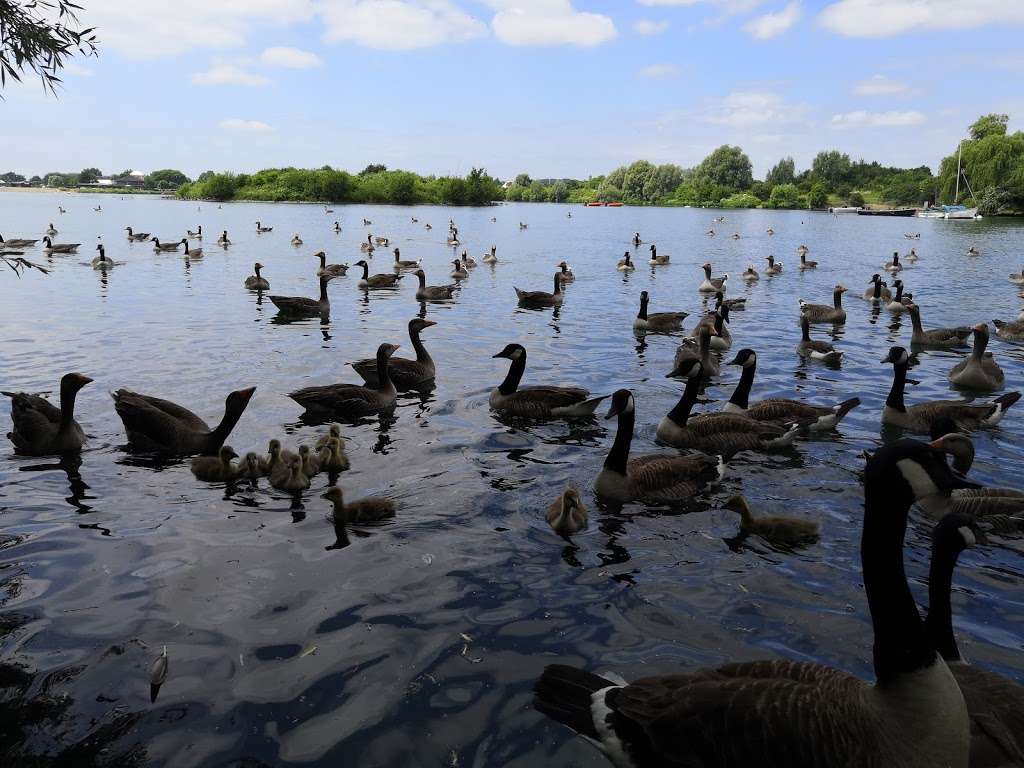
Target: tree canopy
x,y
39,36
727,167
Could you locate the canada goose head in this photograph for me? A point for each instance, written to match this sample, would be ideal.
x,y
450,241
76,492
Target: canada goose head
x,y
48,241
419,323
334,495
744,358
227,453
512,352
622,402
897,356
361,263
100,247
911,470
257,267
688,369
874,279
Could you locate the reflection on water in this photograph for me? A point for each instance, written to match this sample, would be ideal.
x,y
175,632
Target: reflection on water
x,y
293,641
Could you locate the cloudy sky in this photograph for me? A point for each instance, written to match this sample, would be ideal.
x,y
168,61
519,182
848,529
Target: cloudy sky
x,y
550,87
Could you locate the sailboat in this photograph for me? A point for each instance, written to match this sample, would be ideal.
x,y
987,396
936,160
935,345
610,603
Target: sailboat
x,y
957,211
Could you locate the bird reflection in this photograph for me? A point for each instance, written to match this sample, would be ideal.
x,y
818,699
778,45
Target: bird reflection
x,y
70,465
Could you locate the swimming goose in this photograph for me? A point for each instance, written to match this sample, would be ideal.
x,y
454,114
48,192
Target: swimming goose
x,y
625,263
492,256
719,433
522,225
17,242
982,503
814,349
382,241
197,235
337,226
137,236
567,515
249,467
786,713
542,298
367,222
712,284
301,306
296,240
192,253
39,428
721,339
920,417
406,374
272,461
406,263
1010,330
161,426
896,304
912,256
311,461
260,229
656,260
894,265
379,280
636,239
972,251
334,270
336,459
779,408
333,431
978,371
698,349
774,267
779,530
216,469
433,292
823,313
427,226
158,246
368,246
537,402
353,400
770,231
367,510
657,321
101,261
288,476
654,478
223,240
877,290
566,273
460,272
53,247
1017,278
750,274
51,230
257,282
937,338
805,264
454,241
738,304
995,704
468,262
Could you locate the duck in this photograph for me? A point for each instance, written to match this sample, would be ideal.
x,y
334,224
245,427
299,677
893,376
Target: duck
x,y
778,530
160,426
1017,278
406,263
662,322
566,274
896,303
468,261
311,461
260,229
336,459
249,467
380,280
656,259
712,284
459,272
1010,330
192,253
257,282
537,402
288,475
52,247
972,251
817,418
406,374
542,298
738,304
780,712
370,509
353,400
698,349
216,469
984,503
978,371
935,338
296,240
823,313
750,274
877,290
774,267
625,263
894,265
158,246
433,292
491,257
813,348
39,428
17,242
716,433
51,230
920,417
101,261
335,270
137,236
805,264
301,306
197,235
223,240
654,478
567,514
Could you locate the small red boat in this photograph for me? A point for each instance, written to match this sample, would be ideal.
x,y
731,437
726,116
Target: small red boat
x,y
594,205
614,205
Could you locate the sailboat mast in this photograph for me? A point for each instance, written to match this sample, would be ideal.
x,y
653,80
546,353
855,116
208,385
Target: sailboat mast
x,y
959,150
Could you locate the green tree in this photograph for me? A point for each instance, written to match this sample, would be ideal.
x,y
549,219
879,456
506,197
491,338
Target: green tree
x,y
373,168
39,36
784,196
559,192
481,188
741,200
783,172
523,180
832,167
726,167
856,199
204,176
762,190
989,125
515,193
637,176
665,180
168,178
401,188
89,175
538,193
35,180
12,176
995,160
817,197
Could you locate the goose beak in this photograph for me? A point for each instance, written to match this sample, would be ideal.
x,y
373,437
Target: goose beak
x,y
428,323
612,412
734,361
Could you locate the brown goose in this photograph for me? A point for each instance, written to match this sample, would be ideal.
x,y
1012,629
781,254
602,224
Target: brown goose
x,y
735,305
877,291
301,306
353,400
1009,330
158,246
192,253
161,426
698,349
786,713
721,339
257,282
53,247
376,281
779,530
367,510
813,348
657,321
712,284
537,402
433,292
774,267
137,236
216,469
897,303
567,515
658,260
750,274
978,371
937,338
566,274
39,427
542,298
334,270
823,313
460,272
405,263
989,502
406,374
288,476
17,242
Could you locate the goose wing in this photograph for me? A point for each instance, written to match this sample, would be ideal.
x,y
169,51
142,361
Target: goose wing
x,y
997,717
815,345
340,398
150,415
295,304
533,295
404,372
33,417
540,401
963,414
779,408
660,478
989,506
711,424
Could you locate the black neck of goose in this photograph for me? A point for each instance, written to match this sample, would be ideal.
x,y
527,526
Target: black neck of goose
x,y
719,319
366,270
68,393
704,341
915,320
323,260
707,272
323,288
618,457
383,371
257,269
878,288
421,352
837,299
558,283
681,412
423,280
741,395
939,622
901,641
565,268
642,315
514,375
899,293
232,413
980,342
805,329
899,382
771,261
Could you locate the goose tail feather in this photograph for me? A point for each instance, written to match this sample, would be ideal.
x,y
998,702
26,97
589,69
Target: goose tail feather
x,y
565,694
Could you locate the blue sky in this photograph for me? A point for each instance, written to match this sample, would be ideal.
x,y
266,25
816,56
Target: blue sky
x,y
549,87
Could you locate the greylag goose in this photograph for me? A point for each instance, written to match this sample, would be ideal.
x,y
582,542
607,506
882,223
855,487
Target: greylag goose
x,y
334,270
39,428
273,459
53,247
537,402
936,338
877,291
137,236
376,281
625,263
460,272
978,371
566,273
567,514
778,530
158,246
337,459
657,321
302,306
353,400
813,348
658,260
433,292
296,240
288,475
712,284
249,468
406,263
367,510
491,257
542,298
311,462
257,282
17,242
1010,330
750,274
774,267
1017,278
823,313
216,469
406,374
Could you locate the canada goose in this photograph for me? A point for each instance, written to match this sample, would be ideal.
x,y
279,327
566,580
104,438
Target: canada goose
x,y
779,530
137,236
805,264
336,460
710,233
636,239
896,303
197,235
655,478
296,240
367,222
770,231
415,220
736,235
937,338
257,282
698,349
912,256
454,241
625,263
288,476
17,242
980,503
380,280
334,270
427,226
368,246
823,313
406,374
310,461
52,247
774,267
161,426
433,292
468,262
920,417
38,428
738,304
260,229
978,371
779,712
972,251
249,468
657,321
491,257
300,306
657,260
405,264
750,274
353,400
566,274
101,261
366,510
779,408
877,291
803,250
567,515
721,339
815,349
223,240
1017,278
539,401
542,298
337,227
382,241
216,469
719,433
192,253
894,265
523,225
712,284
98,209
158,246
1010,330
51,230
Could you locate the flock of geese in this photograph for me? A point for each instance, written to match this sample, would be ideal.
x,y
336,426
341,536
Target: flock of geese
x,y
927,707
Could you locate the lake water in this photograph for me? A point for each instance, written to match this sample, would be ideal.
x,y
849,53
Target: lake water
x,y
418,644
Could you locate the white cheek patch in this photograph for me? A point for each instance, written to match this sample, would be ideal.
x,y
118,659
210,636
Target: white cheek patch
x,y
517,354
918,478
629,405
967,535
904,358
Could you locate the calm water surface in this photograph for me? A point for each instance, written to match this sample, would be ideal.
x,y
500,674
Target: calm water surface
x,y
417,644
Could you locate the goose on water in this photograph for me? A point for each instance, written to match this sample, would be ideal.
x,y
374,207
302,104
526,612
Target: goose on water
x,y
137,236
216,469
814,348
158,246
567,514
197,235
1017,278
737,304
978,371
468,262
192,253
566,274
39,428
712,284
698,348
625,263
657,259
369,509
406,374
988,504
53,247
460,272
260,229
823,313
894,265
301,306
663,322
491,257
433,292
101,261
257,282
750,274
51,230
353,400
778,530
296,240
538,401
542,298
721,338
406,263
289,476
935,338
17,242
805,264
896,304
877,290
774,267
223,240
1010,330
380,280
334,270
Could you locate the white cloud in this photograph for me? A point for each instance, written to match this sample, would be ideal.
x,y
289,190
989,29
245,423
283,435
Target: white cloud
x,y
884,18
771,24
648,27
290,58
229,74
670,2
660,70
862,119
71,68
249,126
879,85
398,24
548,22
746,109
